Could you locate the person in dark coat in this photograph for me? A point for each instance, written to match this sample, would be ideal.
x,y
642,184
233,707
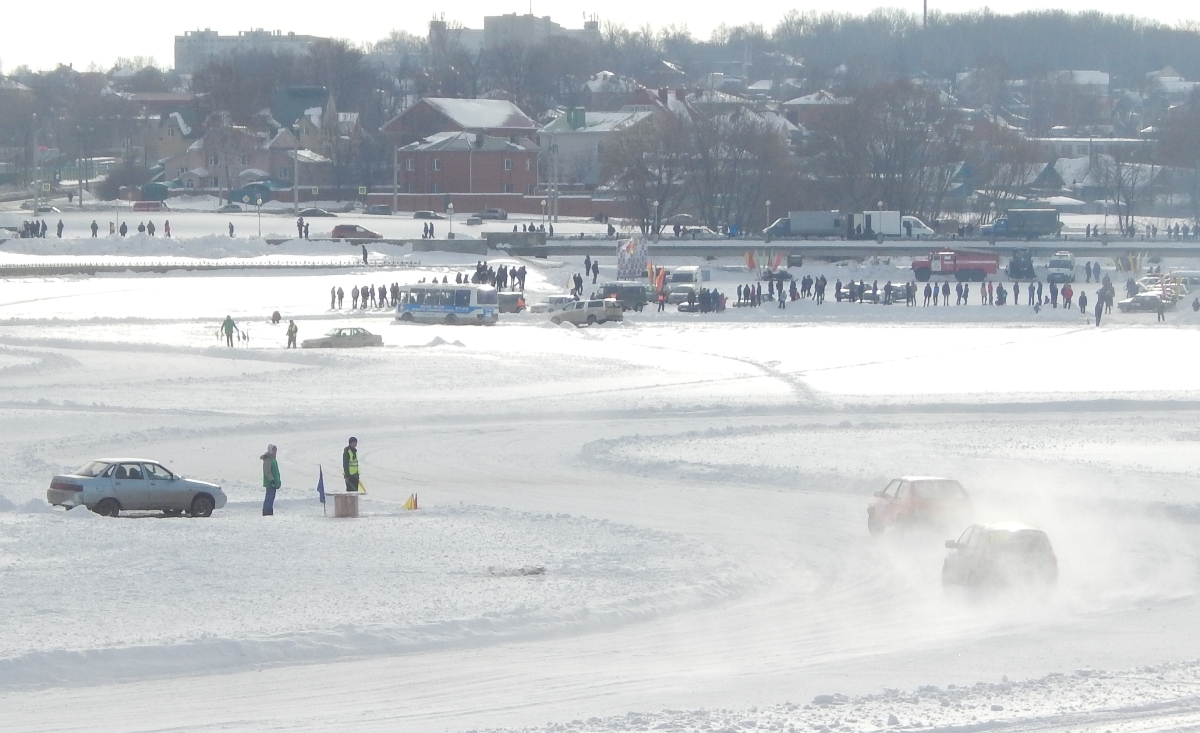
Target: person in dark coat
x,y
350,465
1099,309
270,480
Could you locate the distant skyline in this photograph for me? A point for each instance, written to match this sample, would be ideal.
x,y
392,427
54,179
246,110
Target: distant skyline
x,y
100,33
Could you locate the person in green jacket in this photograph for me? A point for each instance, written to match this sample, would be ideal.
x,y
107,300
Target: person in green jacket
x,y
270,479
227,328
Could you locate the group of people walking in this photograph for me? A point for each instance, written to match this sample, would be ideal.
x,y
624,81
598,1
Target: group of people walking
x,y
368,296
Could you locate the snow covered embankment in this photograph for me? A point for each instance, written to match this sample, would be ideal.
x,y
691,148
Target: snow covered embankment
x,y
1151,698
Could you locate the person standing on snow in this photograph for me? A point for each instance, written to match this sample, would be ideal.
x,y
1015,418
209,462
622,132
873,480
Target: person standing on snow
x,y
60,228
341,295
166,227
354,297
228,327
332,297
292,330
270,480
350,465
231,230
95,228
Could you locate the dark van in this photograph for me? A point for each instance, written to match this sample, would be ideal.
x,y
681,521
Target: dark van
x,y
633,295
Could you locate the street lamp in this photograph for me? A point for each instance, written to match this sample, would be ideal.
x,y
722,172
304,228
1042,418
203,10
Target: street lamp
x,y
258,200
543,212
654,203
768,230
450,213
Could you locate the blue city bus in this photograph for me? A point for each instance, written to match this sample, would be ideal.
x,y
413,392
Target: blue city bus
x,y
449,304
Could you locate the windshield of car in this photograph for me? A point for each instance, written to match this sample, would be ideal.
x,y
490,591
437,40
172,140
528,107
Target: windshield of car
x,y
943,490
890,491
90,469
487,296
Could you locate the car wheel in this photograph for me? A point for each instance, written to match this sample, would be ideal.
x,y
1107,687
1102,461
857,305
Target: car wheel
x,y
451,319
406,317
591,320
108,508
874,524
556,320
202,506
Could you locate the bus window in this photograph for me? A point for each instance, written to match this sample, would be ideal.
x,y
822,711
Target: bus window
x,y
462,298
421,297
487,296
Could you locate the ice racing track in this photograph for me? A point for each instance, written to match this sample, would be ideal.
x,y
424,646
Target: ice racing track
x,y
758,444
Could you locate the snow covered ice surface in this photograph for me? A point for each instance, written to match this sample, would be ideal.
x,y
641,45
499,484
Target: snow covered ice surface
x,y
692,488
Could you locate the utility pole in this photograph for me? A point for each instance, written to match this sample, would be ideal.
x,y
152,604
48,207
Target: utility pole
x,y
395,177
296,182
37,168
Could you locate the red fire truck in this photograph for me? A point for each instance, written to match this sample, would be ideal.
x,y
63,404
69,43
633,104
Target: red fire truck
x,y
962,266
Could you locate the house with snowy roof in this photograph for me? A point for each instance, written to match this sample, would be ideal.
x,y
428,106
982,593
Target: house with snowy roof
x,y
230,156
821,109
574,142
467,162
432,115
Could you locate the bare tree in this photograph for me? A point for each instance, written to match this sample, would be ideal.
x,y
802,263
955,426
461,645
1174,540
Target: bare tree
x,y
646,165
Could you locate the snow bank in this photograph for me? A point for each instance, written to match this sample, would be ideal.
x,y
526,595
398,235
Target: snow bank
x,y
6,505
1085,700
36,506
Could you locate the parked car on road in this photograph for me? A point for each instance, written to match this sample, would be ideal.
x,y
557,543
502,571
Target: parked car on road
x,y
229,209
911,500
343,338
492,214
353,231
1144,303
314,213
998,555
110,486
378,210
427,215
590,312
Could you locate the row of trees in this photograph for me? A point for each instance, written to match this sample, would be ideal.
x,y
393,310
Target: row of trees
x,y
722,169
895,143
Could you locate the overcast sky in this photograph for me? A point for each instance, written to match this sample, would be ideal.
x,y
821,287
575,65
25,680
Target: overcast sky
x,y
83,32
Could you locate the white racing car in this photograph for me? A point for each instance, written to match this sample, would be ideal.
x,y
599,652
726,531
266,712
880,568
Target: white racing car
x,y
110,486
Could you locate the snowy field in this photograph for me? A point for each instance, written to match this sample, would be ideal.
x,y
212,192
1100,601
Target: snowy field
x,y
652,525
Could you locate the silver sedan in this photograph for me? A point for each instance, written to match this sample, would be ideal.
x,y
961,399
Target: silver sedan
x,y
110,486
343,338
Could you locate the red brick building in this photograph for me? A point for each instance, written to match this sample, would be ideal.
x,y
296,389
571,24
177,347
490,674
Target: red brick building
x,y
462,162
431,115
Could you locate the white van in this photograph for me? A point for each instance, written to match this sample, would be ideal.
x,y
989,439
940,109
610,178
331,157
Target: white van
x,y
914,228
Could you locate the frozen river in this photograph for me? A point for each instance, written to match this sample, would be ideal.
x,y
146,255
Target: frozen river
x,y
693,487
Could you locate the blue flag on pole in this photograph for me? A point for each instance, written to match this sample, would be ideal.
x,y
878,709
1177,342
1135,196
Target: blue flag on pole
x,y
321,484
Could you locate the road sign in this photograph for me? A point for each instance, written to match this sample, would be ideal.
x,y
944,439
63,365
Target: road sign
x,y
245,199
362,190
314,190
45,186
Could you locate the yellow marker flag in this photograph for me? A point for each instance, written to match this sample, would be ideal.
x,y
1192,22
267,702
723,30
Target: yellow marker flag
x,y
411,503
362,487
